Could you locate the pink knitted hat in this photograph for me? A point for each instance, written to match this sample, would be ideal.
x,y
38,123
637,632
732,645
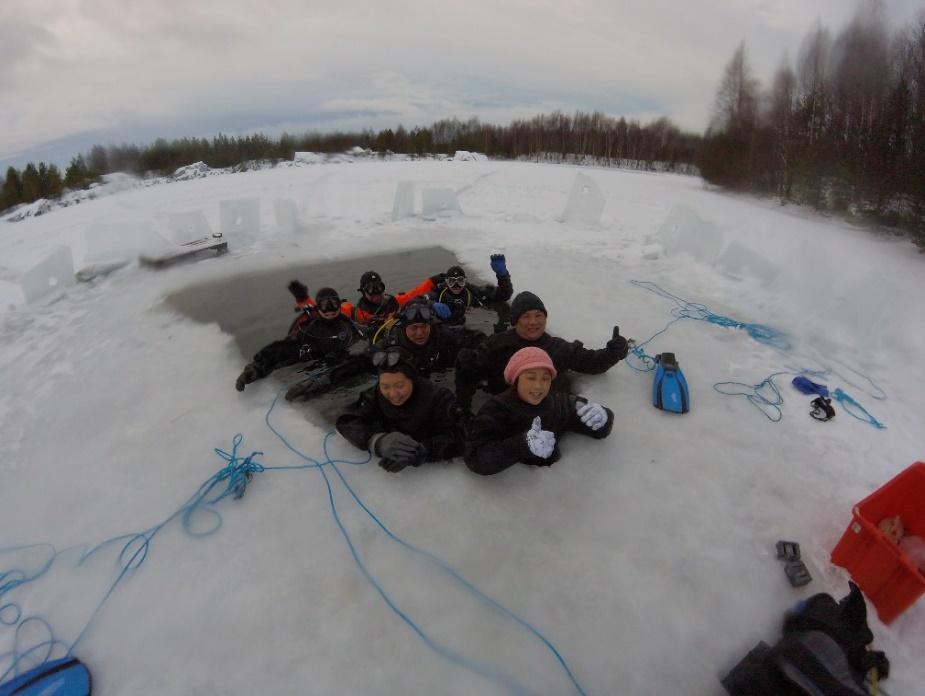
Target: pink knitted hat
x,y
527,359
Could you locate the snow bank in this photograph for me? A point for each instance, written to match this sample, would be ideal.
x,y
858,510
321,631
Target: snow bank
x,y
647,559
308,157
466,156
197,170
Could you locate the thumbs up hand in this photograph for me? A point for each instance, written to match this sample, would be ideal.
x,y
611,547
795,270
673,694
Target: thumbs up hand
x,y
541,442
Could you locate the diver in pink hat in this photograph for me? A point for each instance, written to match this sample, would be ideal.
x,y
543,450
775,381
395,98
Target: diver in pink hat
x,y
525,422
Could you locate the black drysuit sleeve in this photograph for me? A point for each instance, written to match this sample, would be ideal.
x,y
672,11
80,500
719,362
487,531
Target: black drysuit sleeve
x,y
502,292
574,356
361,422
286,351
445,437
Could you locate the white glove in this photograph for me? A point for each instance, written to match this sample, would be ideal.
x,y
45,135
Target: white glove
x,y
591,414
541,442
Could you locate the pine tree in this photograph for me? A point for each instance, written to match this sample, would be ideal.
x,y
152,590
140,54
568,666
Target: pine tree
x,y
98,161
77,175
31,184
11,193
51,184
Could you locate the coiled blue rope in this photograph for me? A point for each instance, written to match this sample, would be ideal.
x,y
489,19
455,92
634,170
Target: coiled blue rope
x,y
231,480
684,309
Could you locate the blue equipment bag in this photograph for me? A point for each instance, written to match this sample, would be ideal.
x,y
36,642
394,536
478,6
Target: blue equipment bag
x,y
808,387
65,677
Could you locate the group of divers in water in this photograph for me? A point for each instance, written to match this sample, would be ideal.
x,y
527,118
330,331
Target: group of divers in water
x,y
405,419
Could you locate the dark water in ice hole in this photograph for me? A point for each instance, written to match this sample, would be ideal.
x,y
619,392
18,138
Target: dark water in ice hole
x,y
256,308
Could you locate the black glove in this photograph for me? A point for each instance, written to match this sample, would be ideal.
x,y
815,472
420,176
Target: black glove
x,y
358,347
392,465
400,448
877,659
250,374
299,290
618,343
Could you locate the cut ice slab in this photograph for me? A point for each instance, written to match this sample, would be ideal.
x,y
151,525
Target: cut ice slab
x,y
585,202
49,276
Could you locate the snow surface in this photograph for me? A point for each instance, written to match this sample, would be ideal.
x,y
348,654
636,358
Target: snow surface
x,y
647,559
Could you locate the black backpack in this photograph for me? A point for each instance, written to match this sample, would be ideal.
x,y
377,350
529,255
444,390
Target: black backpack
x,y
823,651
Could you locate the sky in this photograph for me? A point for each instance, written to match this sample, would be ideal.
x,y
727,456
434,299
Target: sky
x,y
83,72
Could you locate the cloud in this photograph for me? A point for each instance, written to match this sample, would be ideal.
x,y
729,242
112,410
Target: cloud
x,y
103,66
21,42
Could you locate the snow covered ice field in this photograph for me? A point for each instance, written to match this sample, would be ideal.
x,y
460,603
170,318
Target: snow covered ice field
x,y
647,559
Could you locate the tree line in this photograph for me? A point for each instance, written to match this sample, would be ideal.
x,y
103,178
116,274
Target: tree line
x,y
842,128
556,136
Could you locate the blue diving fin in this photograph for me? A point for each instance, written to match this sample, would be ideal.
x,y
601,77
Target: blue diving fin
x,y
669,391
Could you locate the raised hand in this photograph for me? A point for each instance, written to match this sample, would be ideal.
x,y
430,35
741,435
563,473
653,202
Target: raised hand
x,y
298,290
498,265
618,343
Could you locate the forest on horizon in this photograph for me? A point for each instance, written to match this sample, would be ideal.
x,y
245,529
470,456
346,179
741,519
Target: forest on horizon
x,y
840,128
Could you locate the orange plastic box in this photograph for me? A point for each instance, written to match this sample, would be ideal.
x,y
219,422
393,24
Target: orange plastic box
x,y
876,564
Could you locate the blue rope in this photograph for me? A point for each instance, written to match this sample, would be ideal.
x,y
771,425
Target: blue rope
x,y
133,553
768,405
232,480
637,350
877,392
765,395
852,407
508,682
18,655
684,309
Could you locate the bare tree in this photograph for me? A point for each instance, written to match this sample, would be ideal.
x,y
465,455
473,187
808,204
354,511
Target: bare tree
x,y
735,107
781,104
812,82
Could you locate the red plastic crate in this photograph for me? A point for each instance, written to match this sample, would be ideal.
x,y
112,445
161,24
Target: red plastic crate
x,y
876,564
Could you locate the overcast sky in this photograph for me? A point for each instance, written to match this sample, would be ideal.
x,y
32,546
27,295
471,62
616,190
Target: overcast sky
x,y
78,72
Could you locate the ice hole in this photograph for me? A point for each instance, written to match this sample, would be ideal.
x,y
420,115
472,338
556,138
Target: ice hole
x,y
256,308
